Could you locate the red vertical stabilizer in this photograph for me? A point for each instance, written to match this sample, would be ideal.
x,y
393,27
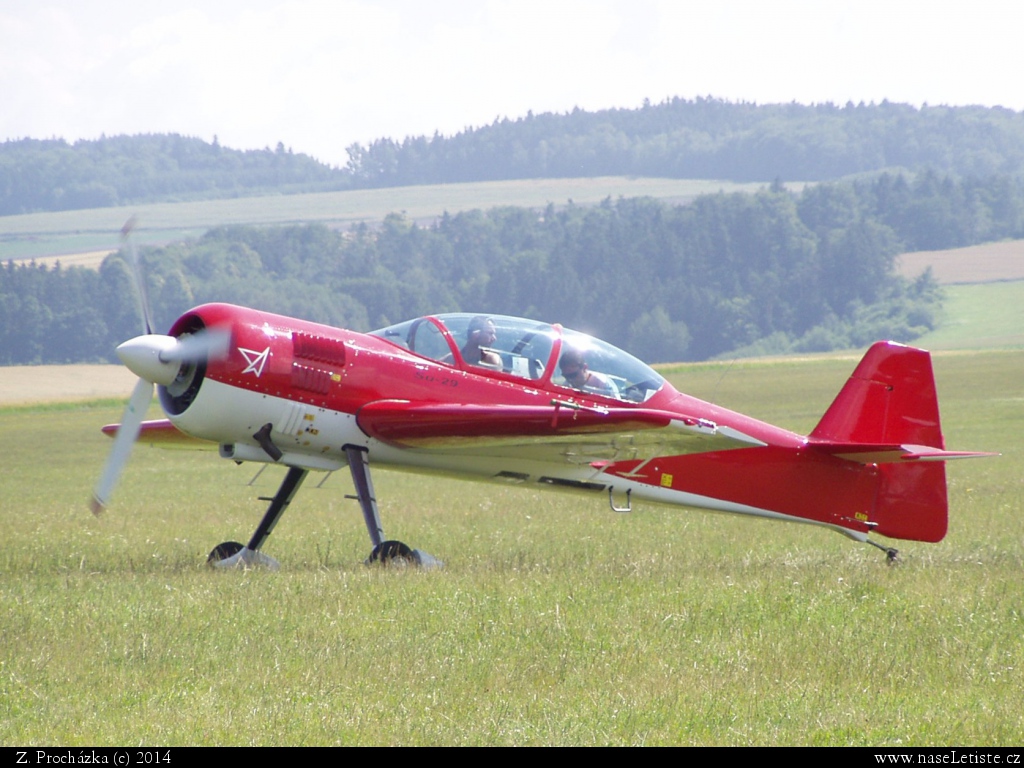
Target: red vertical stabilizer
x,y
890,400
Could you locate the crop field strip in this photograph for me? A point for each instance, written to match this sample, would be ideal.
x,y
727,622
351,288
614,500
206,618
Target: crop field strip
x,y
976,264
36,235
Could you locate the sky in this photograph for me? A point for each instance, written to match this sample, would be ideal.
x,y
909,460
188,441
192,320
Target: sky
x,y
319,76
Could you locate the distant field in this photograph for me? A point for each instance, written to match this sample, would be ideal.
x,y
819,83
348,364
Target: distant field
x,y
21,384
49,234
976,264
980,316
87,259
984,284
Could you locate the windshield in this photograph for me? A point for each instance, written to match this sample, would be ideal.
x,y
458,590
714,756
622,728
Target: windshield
x,y
529,350
591,365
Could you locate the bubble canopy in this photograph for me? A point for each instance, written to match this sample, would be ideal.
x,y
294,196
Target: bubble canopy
x,y
528,350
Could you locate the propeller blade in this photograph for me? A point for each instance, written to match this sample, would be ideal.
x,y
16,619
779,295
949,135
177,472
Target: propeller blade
x,y
140,285
124,441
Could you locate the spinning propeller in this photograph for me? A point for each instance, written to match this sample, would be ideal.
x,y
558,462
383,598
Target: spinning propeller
x,y
155,359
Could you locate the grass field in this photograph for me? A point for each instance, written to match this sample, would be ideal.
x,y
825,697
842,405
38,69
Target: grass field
x,y
984,295
980,316
554,622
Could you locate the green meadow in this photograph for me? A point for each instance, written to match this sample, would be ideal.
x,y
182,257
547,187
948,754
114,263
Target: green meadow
x,y
980,316
555,620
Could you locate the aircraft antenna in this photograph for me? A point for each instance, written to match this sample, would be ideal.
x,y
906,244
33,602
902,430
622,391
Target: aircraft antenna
x,y
714,390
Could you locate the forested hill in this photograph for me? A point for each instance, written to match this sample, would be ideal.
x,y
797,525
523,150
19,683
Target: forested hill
x,y
709,139
769,272
678,138
52,175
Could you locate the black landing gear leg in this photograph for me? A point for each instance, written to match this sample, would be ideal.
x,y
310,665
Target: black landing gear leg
x,y
383,551
232,554
892,555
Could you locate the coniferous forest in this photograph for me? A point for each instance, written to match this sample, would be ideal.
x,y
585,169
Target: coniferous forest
x,y
769,272
708,139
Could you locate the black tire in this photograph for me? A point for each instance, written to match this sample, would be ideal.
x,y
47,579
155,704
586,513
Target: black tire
x,y
224,551
390,551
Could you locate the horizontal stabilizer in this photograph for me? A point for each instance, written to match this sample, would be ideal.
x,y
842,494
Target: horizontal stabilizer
x,y
867,453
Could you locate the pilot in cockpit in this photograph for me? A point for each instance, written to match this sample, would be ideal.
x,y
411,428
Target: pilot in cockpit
x,y
573,366
480,335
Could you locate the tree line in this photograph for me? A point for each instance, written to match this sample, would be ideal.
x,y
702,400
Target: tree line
x,y
52,175
708,139
678,138
769,272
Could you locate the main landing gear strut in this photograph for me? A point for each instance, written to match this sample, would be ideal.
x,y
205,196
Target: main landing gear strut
x,y
383,551
232,553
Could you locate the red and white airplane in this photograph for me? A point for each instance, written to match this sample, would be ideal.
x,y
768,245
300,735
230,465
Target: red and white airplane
x,y
508,400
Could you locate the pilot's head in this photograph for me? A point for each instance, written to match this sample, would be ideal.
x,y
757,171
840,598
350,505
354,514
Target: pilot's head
x,y
573,366
481,331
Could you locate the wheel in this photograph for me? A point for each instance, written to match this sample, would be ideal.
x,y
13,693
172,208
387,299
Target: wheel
x,y
224,551
389,552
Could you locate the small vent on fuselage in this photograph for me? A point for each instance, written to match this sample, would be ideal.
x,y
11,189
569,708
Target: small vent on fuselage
x,y
319,349
315,380
309,354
